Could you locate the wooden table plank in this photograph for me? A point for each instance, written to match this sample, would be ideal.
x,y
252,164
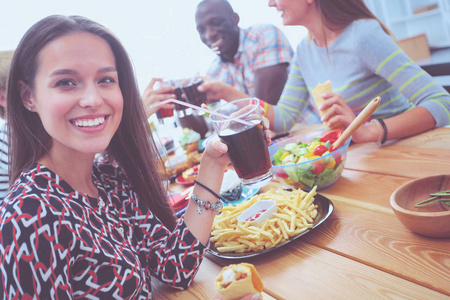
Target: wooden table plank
x,y
418,156
388,246
355,230
400,161
438,138
304,271
365,190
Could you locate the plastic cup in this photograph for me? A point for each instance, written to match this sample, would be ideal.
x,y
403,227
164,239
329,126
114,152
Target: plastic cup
x,y
246,141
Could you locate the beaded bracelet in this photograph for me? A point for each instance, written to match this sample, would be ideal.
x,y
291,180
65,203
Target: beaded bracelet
x,y
216,207
382,137
208,205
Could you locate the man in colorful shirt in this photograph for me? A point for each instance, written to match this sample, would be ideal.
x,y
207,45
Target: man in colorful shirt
x,y
254,60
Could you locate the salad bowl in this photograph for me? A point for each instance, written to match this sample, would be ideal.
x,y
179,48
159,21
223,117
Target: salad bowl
x,y
306,160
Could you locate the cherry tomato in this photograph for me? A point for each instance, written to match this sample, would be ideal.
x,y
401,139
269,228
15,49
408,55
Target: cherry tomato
x,y
318,168
331,136
338,158
319,150
280,172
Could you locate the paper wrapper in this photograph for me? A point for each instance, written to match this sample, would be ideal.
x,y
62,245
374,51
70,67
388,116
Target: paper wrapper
x,y
317,92
251,284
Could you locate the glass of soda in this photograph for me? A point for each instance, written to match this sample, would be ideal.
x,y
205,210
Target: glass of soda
x,y
241,128
193,96
163,112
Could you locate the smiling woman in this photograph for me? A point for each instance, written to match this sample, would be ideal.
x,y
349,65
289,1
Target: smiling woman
x,y
73,226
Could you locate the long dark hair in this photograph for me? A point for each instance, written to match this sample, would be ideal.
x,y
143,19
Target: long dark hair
x,y
132,146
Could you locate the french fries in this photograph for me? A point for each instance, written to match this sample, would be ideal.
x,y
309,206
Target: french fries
x,y
295,214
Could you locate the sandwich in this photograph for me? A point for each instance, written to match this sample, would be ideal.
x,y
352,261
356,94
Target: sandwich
x,y
238,280
317,92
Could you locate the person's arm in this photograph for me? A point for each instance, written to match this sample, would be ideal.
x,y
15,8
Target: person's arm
x,y
381,54
174,257
212,166
218,90
409,123
270,60
270,81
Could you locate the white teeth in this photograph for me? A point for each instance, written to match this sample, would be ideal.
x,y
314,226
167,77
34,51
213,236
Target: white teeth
x,y
89,123
216,44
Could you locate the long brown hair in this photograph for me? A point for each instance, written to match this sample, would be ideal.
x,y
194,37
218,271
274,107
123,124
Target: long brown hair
x,y
337,14
132,146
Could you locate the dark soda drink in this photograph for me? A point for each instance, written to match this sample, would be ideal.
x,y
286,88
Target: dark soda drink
x,y
193,121
247,149
193,95
179,95
168,112
187,118
165,113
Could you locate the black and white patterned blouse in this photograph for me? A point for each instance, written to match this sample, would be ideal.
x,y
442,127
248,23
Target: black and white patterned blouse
x,y
56,243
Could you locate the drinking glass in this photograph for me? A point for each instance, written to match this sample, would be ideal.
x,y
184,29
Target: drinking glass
x,y
240,126
192,94
187,117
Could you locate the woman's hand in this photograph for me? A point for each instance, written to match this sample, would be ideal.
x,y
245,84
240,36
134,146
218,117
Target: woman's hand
x,y
215,153
339,114
218,90
152,96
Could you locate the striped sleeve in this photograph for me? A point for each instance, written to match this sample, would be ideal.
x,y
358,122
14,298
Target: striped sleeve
x,y
393,65
293,106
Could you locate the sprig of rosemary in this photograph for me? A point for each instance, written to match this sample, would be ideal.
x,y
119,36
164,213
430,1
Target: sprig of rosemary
x,y
442,196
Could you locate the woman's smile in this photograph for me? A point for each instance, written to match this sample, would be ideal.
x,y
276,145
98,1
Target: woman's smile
x,y
86,122
78,97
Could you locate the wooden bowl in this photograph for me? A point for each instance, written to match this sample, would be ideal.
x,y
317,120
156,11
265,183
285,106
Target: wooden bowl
x,y
432,220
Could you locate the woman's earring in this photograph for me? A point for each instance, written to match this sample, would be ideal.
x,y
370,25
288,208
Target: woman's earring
x,y
29,108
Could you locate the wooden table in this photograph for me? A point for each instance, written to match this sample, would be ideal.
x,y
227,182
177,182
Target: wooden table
x,y
362,251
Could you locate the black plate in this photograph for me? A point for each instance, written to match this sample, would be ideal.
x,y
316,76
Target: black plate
x,y
324,210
